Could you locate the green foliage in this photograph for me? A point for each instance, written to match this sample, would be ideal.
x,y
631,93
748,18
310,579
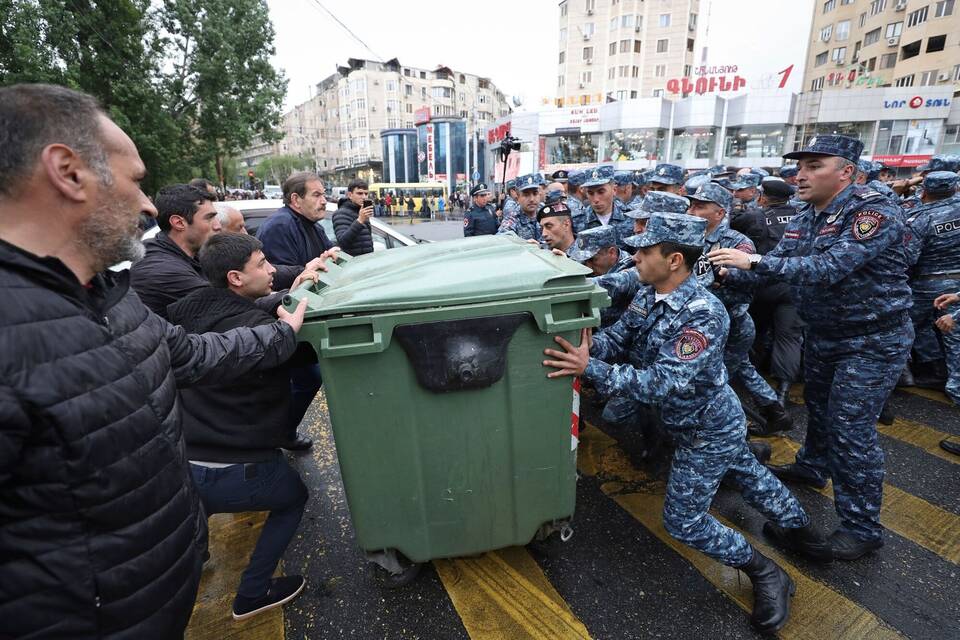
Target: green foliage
x,y
189,80
276,169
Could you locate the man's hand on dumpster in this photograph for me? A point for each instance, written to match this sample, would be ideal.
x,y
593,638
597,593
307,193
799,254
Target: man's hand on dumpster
x,y
572,361
308,274
294,319
317,264
333,253
945,300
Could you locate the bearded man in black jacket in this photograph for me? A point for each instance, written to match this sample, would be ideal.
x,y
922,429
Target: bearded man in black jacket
x,y
234,431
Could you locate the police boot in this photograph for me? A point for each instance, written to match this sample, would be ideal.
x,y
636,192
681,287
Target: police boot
x,y
906,378
951,447
783,394
776,420
805,540
797,473
886,414
932,375
760,450
847,546
772,589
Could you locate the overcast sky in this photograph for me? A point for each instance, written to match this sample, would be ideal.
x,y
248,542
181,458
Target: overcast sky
x,y
513,42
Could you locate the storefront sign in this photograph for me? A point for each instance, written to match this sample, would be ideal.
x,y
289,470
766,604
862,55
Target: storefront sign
x,y
916,102
430,154
903,161
421,115
717,79
579,116
513,168
498,133
542,153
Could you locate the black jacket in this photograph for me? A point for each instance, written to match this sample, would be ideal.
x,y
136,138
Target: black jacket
x,y
245,420
289,238
352,236
101,530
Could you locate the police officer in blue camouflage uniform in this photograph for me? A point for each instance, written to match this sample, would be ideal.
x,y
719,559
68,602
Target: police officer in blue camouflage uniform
x,y
844,258
480,219
943,162
667,350
511,207
603,208
933,250
873,181
524,222
746,197
712,203
947,324
597,250
627,194
665,177
696,180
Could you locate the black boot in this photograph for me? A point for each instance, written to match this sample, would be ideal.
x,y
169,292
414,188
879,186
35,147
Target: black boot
x,y
886,414
951,447
931,375
805,540
906,378
847,546
772,589
797,473
776,418
760,450
783,394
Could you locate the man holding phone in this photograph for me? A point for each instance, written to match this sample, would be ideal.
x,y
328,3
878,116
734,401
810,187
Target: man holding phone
x,y
351,222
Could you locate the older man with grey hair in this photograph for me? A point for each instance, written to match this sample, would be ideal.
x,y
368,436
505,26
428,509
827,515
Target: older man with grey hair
x,y
231,220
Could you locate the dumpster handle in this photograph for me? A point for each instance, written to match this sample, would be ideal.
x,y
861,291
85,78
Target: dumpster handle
x,y
360,348
554,326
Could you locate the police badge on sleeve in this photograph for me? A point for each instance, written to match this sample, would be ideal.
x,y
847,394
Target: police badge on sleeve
x,y
866,224
690,344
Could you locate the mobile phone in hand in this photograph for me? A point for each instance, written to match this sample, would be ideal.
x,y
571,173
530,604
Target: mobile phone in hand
x,y
367,203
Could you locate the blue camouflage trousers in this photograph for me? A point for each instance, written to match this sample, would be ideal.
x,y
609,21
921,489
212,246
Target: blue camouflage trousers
x,y
927,343
951,347
848,380
736,358
703,457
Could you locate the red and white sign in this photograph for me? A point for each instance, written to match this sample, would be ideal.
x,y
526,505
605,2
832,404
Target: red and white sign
x,y
430,154
421,115
513,168
542,154
498,133
903,161
575,421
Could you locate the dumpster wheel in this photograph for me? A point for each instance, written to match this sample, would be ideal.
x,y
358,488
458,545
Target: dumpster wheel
x,y
392,569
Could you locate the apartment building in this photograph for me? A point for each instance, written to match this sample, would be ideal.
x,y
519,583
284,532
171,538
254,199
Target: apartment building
x,y
339,127
862,44
623,49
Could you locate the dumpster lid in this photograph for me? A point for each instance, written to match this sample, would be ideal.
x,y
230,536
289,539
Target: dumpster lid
x,y
442,274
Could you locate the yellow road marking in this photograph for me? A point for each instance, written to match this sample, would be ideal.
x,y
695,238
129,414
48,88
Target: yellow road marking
x,y
504,594
817,612
232,538
929,394
913,518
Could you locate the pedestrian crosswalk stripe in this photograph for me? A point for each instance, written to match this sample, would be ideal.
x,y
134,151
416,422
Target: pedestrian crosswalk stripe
x,y
930,394
817,612
504,594
232,538
913,518
919,435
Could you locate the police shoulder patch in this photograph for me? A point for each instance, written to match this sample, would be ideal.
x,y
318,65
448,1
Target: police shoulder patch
x,y
466,221
868,194
699,303
746,247
690,344
866,224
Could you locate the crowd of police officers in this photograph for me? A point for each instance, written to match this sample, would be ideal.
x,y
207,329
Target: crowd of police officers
x,y
832,273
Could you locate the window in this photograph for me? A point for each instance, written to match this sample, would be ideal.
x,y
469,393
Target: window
x,y
894,29
829,6
917,17
928,78
816,85
943,8
624,46
910,51
635,72
611,73
843,2
877,6
423,92
660,71
690,42
613,23
633,94
658,93
693,20
563,9
591,5
843,30
839,54
936,43
687,70
662,45
888,61
626,21
613,48
856,52
362,122
588,53
872,63
664,19
563,36
871,37
586,77
409,108
621,95
905,81
863,19
826,32
956,73
623,70
442,92
639,22
589,29
821,59
423,75
391,86
636,46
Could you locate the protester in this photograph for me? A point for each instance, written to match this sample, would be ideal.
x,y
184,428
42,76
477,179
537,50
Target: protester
x,y
351,222
292,235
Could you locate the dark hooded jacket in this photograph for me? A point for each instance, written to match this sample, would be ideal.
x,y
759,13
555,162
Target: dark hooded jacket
x,y
353,236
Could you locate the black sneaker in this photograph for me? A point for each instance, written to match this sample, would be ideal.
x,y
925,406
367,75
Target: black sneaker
x,y
848,547
282,590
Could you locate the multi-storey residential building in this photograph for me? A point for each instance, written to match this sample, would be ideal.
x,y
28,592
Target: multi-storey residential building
x,y
883,43
339,127
623,49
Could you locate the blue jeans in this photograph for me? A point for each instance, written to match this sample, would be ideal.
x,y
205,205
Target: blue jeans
x,y
271,486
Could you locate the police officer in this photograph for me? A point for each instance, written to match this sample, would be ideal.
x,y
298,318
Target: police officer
x,y
603,209
524,223
667,350
941,162
575,194
947,324
695,180
933,249
745,195
789,174
773,310
597,250
562,176
623,186
712,203
510,206
666,177
844,258
480,219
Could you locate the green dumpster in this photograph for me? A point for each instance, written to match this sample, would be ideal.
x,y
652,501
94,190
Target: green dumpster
x,y
451,439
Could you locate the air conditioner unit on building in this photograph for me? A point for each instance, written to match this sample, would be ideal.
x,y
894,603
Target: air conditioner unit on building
x,y
588,61
690,26
580,85
893,42
943,77
589,12
586,37
900,6
636,29
840,63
